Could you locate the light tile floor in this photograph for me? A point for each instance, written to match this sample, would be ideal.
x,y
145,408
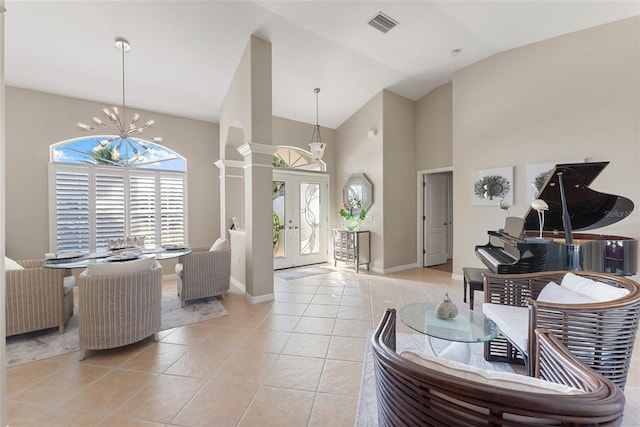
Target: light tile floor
x,y
295,361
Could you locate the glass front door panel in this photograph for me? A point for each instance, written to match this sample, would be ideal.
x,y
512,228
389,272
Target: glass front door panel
x,y
279,218
309,218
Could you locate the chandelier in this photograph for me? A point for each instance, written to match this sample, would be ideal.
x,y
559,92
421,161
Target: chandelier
x,y
122,148
317,146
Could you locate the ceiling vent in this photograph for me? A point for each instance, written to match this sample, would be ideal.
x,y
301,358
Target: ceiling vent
x,y
382,22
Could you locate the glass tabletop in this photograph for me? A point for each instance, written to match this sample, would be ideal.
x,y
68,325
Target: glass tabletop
x,y
86,259
467,326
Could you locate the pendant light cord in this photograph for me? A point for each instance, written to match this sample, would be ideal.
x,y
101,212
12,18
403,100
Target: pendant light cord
x,y
124,111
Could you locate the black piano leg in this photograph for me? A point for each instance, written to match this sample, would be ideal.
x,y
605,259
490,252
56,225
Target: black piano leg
x,y
464,290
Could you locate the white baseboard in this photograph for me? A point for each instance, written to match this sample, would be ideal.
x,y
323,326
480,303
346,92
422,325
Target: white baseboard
x,y
259,299
241,286
169,276
398,268
459,277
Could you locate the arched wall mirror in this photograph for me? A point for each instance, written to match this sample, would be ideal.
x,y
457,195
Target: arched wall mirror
x,y
357,194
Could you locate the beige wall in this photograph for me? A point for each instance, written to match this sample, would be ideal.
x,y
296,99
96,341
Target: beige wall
x,y
434,144
575,96
399,152
297,134
35,120
357,153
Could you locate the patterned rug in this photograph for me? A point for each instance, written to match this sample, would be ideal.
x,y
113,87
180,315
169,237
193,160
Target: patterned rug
x,y
48,343
367,415
300,272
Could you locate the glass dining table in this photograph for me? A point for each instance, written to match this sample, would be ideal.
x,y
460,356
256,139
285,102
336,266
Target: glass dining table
x,y
467,327
82,260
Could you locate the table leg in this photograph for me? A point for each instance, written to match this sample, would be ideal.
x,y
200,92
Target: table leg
x,y
456,351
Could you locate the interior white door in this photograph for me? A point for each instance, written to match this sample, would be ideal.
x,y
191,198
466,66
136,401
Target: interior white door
x,y
436,219
300,218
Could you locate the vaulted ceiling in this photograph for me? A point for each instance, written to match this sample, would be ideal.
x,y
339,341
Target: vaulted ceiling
x,y
184,53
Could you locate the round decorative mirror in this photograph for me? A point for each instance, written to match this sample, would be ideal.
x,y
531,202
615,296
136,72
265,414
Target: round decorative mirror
x,y
357,194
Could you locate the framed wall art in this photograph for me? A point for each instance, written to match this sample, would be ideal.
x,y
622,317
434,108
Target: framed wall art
x,y
491,186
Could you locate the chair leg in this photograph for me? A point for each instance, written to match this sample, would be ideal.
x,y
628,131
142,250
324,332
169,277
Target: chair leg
x,y
155,337
83,354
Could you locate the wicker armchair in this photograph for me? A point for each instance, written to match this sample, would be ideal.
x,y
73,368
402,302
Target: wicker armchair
x,y
203,273
117,310
601,334
410,394
37,298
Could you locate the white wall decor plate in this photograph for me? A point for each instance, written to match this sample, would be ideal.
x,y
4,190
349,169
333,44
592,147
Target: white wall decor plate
x,y
490,186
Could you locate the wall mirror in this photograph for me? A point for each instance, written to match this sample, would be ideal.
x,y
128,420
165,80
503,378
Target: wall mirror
x,y
357,193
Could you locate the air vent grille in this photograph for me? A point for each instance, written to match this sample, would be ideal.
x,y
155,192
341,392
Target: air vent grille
x,y
382,22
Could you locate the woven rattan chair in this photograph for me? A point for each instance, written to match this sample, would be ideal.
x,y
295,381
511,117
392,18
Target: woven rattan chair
x,y
601,334
36,298
117,310
410,394
203,273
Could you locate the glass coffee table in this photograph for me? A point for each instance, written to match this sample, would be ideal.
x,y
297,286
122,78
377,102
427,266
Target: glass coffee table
x,y
467,327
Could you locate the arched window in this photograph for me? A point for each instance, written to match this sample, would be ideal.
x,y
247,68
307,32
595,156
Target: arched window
x,y
102,188
296,158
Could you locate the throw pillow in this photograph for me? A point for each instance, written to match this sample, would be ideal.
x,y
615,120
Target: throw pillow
x,y
599,291
555,293
117,268
10,264
219,245
506,380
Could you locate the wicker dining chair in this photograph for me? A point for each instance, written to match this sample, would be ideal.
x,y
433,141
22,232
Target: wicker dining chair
x,y
37,298
119,309
410,394
204,273
600,334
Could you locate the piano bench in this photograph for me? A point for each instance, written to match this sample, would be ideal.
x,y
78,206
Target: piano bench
x,y
473,277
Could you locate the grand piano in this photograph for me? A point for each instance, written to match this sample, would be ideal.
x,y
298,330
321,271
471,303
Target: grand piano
x,y
573,206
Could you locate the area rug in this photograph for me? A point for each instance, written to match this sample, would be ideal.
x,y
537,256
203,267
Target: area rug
x,y
39,345
367,415
300,272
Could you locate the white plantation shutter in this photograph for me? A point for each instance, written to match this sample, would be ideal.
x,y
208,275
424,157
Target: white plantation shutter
x,y
72,210
142,209
172,204
94,204
109,207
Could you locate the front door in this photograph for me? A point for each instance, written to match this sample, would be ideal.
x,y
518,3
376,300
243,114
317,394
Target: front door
x,y
300,218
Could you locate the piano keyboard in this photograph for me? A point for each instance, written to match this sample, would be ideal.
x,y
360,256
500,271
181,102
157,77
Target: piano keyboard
x,y
496,256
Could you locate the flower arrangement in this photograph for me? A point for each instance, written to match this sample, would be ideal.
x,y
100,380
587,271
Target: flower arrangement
x,y
348,207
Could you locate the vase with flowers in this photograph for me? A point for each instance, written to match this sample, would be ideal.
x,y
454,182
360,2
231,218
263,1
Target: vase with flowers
x,y
350,221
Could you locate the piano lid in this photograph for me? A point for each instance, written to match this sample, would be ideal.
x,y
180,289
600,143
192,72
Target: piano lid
x,y
588,209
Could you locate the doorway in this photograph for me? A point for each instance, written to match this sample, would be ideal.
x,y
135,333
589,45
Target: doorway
x,y
300,218
436,223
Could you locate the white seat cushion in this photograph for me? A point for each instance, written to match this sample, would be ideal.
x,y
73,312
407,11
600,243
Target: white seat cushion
x,y
219,245
506,380
597,290
116,268
10,264
512,321
555,293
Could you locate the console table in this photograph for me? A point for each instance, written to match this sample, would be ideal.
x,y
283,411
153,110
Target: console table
x,y
352,247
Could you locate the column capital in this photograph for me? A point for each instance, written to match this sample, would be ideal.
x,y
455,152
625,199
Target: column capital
x,y
224,163
253,148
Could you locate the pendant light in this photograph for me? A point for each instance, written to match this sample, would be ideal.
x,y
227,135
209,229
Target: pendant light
x,y
317,146
123,134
